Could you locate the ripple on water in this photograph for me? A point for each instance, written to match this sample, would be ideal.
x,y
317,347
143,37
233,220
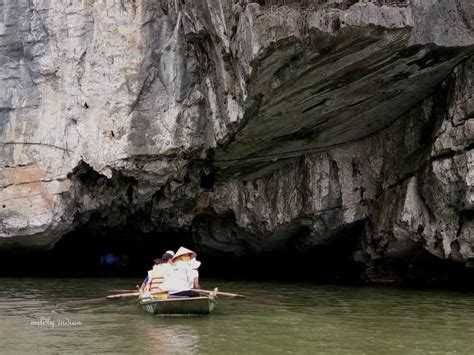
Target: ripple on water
x,y
286,318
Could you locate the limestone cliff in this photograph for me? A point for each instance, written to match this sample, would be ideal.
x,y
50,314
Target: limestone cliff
x,y
257,126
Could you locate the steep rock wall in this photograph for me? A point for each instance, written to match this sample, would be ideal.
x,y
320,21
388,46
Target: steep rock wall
x,y
256,125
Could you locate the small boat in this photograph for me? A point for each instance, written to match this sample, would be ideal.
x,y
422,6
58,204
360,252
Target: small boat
x,y
184,305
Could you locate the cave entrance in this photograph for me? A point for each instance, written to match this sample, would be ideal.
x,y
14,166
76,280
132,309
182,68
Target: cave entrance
x,y
79,254
328,262
82,253
133,250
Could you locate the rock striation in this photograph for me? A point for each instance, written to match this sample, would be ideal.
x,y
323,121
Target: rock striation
x,y
256,126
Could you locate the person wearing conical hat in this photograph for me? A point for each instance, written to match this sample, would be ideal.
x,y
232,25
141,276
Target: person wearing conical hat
x,y
183,275
183,254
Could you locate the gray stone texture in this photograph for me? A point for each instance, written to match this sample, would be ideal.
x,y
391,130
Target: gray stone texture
x,y
254,125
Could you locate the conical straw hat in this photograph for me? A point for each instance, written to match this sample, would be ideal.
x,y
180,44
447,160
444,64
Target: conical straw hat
x,y
184,251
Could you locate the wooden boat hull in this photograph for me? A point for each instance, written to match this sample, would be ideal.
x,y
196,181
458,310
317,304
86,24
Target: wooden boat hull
x,y
192,305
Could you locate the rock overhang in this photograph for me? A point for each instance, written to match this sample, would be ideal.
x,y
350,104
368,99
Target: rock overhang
x,y
326,91
289,113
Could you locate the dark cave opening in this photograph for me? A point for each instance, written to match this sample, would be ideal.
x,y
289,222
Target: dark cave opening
x,y
81,254
78,254
324,265
132,237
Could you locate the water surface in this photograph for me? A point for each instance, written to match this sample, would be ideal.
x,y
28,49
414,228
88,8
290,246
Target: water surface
x,y
38,316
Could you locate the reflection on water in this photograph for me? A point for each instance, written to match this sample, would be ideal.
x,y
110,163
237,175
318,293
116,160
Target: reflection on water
x,y
70,316
162,338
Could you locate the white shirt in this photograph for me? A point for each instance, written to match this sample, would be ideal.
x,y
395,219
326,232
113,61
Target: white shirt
x,y
180,277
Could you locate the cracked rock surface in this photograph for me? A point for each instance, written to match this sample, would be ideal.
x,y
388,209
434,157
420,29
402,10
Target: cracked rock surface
x,y
256,126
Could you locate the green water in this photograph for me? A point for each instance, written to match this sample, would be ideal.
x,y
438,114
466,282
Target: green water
x,y
37,316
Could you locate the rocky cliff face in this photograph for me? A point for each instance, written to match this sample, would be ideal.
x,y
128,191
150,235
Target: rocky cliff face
x,y
257,126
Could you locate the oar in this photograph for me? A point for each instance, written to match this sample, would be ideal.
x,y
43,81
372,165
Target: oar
x,y
219,293
123,291
237,295
135,294
122,295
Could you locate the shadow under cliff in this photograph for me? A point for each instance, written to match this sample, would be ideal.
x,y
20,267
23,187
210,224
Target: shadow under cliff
x,y
79,254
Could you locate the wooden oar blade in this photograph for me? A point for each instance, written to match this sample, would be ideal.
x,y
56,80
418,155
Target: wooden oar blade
x,y
219,293
122,295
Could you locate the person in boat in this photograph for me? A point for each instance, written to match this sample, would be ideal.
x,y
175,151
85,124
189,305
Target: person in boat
x,y
183,275
108,264
156,275
158,271
108,259
142,287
